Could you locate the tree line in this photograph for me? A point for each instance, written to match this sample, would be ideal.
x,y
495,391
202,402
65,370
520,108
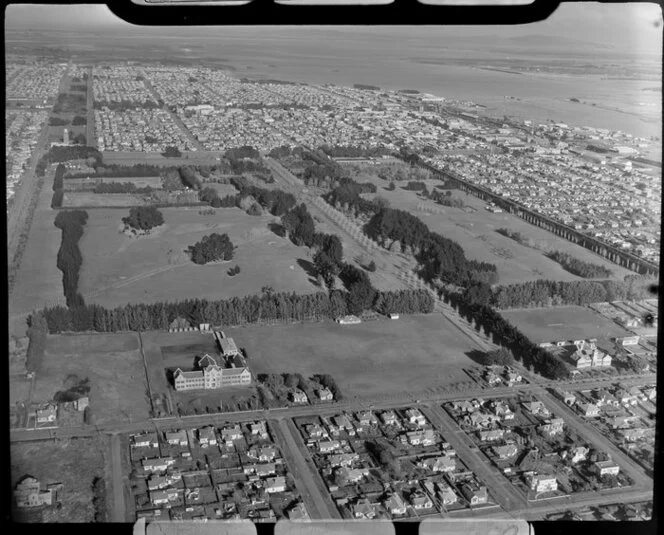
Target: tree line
x,y
119,187
547,293
37,331
115,171
71,223
267,307
58,186
577,267
524,350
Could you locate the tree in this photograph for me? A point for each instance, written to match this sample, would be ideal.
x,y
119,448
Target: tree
x,y
212,248
80,139
361,296
372,266
144,217
501,357
171,152
392,186
290,380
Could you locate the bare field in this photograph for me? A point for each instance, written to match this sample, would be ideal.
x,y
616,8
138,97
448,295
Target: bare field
x,y
563,323
476,232
112,363
74,463
78,199
118,270
373,358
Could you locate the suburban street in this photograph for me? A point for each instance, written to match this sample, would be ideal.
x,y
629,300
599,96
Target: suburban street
x,y
118,511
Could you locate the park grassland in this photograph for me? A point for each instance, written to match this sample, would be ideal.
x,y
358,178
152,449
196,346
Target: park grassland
x,y
371,359
476,232
73,462
118,270
112,363
563,323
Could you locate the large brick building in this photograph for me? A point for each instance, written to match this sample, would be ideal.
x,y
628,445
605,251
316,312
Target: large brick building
x,y
211,375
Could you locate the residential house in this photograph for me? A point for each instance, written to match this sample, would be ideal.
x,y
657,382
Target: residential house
x,y
262,469
567,397
589,410
28,493
297,396
650,392
162,482
625,398
259,428
342,422
363,509
315,431
420,501
177,438
416,417
164,496
395,505
298,512
603,468
367,418
389,418
505,452
427,437
578,454
230,434
267,454
542,483
537,408
47,414
632,435
512,377
157,465
352,475
207,436
446,494
146,440
438,464
324,394
464,406
552,427
480,419
275,484
491,378
343,459
491,434
502,410
474,494
326,446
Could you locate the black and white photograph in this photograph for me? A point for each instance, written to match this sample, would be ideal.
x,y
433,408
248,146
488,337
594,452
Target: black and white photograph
x,y
294,273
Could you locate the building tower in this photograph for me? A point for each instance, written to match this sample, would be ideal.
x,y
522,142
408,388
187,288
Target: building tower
x,y
65,137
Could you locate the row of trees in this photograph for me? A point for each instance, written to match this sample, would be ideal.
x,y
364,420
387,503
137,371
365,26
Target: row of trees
x,y
119,187
267,307
587,270
69,255
58,186
542,293
505,334
79,120
144,217
212,248
37,331
57,121
114,171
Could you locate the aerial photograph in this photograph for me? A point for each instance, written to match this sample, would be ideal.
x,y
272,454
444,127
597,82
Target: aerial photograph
x,y
313,273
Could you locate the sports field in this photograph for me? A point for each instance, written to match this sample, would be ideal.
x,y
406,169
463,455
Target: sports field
x,y
474,228
113,365
374,358
563,323
118,270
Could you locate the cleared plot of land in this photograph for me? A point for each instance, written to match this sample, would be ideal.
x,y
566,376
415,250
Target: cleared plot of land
x,y
475,231
222,189
118,270
372,358
563,323
74,463
112,363
78,199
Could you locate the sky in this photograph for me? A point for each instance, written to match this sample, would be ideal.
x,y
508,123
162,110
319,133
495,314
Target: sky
x,y
634,26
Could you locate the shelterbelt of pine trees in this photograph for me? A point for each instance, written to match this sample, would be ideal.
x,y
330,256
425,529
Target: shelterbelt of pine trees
x,y
267,307
71,223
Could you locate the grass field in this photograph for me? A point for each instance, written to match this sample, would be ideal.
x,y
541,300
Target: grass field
x,y
369,359
476,232
74,463
112,363
563,323
117,269
77,199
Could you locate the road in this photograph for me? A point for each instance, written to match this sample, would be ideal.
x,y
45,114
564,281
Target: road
x,y
307,478
117,477
501,490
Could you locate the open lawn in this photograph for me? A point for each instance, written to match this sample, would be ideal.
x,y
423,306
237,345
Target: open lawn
x,y
112,363
118,270
476,232
83,199
373,358
563,323
74,463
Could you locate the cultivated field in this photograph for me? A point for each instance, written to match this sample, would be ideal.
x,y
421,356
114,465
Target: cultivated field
x,y
74,463
563,323
82,199
118,270
475,231
112,363
375,358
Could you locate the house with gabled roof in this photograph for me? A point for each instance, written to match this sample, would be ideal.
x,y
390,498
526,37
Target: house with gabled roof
x,y
364,509
446,494
505,452
474,494
177,438
395,505
420,501
389,417
442,463
298,396
207,436
491,435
